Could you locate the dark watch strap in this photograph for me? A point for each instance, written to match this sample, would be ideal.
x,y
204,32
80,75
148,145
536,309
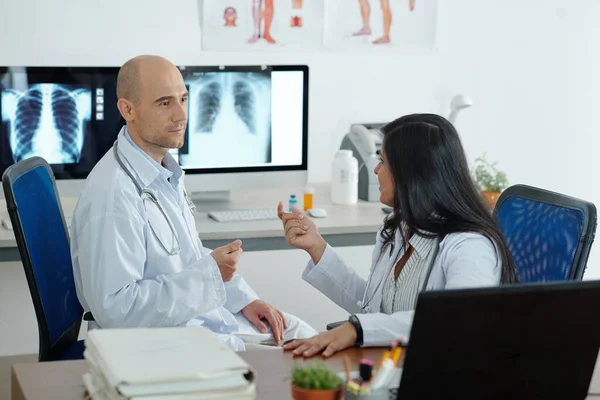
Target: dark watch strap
x,y
359,331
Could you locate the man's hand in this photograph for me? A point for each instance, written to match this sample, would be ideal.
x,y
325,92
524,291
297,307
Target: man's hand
x,y
258,310
329,342
227,258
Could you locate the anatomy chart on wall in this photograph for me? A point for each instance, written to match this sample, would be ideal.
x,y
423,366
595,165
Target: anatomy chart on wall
x,y
262,24
380,24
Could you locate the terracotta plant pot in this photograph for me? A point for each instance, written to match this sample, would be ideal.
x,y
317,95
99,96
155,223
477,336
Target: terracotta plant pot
x,y
491,197
305,394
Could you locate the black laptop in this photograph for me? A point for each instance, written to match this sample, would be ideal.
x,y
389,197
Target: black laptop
x,y
532,341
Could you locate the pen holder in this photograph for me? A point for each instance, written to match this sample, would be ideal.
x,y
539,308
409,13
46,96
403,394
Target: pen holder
x,y
389,389
379,394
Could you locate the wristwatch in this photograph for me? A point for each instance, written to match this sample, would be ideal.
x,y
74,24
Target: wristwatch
x,y
359,331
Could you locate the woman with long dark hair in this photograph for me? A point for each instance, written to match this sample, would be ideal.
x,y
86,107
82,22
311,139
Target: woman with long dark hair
x,y
440,235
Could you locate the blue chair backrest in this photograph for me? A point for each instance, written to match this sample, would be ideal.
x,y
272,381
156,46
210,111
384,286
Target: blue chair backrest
x,y
549,234
42,237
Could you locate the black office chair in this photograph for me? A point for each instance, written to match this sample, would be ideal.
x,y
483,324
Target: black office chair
x,y
549,234
43,241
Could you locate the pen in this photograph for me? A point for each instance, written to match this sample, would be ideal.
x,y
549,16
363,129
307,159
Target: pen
x,y
347,367
384,357
396,355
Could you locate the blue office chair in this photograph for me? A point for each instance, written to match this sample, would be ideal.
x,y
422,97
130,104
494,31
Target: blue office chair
x,y
43,241
549,234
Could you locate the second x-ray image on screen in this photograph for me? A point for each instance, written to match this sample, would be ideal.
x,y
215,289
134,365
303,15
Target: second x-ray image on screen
x,y
47,120
229,121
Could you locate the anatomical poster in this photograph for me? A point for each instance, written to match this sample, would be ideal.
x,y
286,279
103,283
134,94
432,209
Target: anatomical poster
x,y
262,24
380,24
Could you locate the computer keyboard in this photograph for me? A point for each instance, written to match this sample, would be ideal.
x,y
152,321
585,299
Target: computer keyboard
x,y
244,215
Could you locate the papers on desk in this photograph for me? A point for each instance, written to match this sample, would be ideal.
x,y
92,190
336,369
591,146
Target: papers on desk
x,y
164,364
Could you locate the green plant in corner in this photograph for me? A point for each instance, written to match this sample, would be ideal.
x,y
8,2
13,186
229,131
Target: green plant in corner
x,y
317,377
488,177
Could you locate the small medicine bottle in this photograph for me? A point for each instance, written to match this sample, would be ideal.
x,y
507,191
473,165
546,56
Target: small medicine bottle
x,y
308,198
293,202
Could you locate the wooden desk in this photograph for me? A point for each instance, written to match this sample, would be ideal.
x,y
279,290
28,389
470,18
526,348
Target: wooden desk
x,y
63,380
353,225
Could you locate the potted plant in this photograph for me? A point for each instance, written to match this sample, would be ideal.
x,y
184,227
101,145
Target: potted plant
x,y
489,179
315,382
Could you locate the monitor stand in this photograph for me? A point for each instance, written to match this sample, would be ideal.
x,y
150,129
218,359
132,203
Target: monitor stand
x,y
214,201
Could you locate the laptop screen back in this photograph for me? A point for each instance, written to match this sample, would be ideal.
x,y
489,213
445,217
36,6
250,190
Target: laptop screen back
x,y
521,341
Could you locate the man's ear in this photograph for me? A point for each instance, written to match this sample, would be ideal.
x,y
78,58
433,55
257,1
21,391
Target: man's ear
x,y
126,109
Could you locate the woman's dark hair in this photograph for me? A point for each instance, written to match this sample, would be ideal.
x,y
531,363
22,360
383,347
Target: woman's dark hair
x,y
434,191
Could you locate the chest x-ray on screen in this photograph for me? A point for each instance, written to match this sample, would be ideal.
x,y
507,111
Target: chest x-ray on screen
x,y
229,119
46,120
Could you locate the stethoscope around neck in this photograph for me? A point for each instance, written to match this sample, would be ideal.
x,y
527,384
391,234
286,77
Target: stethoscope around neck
x,y
364,303
150,195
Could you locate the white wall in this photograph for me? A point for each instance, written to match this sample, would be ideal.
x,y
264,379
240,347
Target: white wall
x,y
530,67
533,75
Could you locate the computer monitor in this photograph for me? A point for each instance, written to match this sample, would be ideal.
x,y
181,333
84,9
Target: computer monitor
x,y
247,126
67,115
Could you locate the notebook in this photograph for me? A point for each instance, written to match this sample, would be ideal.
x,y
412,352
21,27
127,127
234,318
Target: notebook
x,y
98,391
164,363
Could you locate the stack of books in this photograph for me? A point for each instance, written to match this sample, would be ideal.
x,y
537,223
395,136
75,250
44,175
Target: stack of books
x,y
164,364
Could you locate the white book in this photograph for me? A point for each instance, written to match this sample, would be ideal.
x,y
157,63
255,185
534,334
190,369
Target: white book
x,y
159,363
97,391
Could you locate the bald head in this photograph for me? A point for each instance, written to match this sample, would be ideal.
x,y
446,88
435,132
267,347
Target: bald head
x,y
134,73
153,101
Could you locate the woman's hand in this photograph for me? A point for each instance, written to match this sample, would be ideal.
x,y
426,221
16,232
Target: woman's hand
x,y
329,342
302,233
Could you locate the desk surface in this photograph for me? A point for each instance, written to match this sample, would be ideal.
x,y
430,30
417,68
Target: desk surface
x,y
361,220
63,380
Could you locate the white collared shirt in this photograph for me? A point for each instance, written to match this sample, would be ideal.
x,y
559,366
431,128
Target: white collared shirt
x,y
122,273
464,260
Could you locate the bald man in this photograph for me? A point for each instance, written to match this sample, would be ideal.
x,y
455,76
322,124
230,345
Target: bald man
x,y
137,257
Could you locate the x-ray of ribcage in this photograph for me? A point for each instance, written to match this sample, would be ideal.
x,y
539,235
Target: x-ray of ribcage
x,y
47,121
230,120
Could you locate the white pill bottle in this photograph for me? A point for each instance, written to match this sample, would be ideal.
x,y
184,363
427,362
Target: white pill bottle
x,y
344,178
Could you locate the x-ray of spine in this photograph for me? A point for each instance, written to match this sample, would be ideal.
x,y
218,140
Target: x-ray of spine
x,y
47,120
230,120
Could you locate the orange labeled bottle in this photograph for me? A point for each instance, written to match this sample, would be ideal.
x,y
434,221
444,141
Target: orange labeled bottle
x,y
308,198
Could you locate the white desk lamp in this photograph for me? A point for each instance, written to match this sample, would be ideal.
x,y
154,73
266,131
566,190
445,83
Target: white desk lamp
x,y
459,102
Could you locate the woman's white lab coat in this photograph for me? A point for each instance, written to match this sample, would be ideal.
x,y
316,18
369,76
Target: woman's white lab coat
x,y
463,260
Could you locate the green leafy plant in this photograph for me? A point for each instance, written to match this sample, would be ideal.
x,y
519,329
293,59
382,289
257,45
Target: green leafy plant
x,y
488,177
317,377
